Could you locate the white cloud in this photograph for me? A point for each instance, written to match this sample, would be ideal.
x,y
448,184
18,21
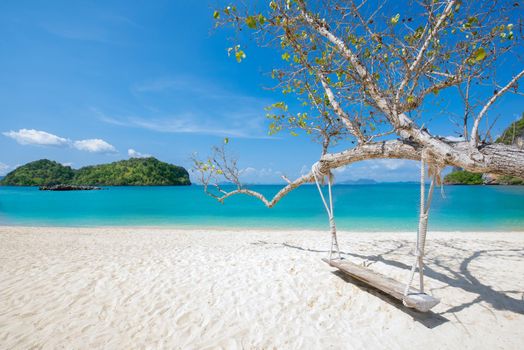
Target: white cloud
x,y
36,137
379,164
94,146
248,171
192,124
454,138
305,169
43,138
340,170
4,168
260,176
194,106
135,154
390,164
380,170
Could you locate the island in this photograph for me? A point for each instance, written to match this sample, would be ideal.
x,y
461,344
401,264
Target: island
x,y
68,188
131,172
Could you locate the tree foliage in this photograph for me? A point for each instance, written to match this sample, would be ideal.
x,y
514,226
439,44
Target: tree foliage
x,y
513,133
132,172
463,177
367,73
39,173
342,58
510,180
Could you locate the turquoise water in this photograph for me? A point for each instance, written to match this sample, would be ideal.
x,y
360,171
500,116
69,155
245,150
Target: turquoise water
x,y
357,207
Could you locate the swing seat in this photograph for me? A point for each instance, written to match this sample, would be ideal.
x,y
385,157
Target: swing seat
x,y
415,299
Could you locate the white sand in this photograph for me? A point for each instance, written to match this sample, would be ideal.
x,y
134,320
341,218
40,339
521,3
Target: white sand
x,y
159,288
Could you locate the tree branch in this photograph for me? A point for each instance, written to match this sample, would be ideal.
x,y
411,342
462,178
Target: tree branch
x,y
424,47
495,158
367,79
352,127
475,129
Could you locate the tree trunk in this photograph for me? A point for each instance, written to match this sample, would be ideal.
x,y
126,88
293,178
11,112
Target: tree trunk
x,y
494,158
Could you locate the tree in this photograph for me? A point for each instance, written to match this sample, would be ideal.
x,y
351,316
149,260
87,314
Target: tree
x,y
365,72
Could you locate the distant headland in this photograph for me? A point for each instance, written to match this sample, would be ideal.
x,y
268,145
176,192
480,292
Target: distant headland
x,y
132,172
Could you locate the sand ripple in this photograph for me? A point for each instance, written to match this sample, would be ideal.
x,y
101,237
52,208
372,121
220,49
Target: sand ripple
x,y
160,288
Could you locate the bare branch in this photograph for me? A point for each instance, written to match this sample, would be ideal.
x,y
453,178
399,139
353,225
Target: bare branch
x,y
352,127
286,179
269,203
474,130
367,79
425,46
502,160
371,78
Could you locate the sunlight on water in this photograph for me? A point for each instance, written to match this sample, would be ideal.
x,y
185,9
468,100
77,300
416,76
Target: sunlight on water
x,y
357,207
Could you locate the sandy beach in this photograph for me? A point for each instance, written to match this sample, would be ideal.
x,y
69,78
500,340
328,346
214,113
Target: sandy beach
x,y
138,288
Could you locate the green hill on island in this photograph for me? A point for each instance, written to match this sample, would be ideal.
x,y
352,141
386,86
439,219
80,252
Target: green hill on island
x,y
132,172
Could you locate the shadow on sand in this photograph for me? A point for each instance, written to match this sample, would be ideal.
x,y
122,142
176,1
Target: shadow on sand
x,y
462,278
428,319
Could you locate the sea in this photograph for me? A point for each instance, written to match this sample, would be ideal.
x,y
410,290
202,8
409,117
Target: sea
x,y
363,208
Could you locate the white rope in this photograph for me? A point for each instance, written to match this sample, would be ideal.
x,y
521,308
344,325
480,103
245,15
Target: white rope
x,y
422,227
315,169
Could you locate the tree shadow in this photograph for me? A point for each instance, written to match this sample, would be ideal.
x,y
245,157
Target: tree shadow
x,y
462,278
465,280
427,319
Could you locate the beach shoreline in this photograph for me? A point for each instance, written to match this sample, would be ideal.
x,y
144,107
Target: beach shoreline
x,y
191,228
137,287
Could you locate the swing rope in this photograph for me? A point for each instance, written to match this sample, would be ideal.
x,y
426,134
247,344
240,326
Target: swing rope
x,y
422,225
423,216
319,178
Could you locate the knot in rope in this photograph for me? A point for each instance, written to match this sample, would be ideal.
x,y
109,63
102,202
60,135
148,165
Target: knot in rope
x,y
435,167
319,175
316,170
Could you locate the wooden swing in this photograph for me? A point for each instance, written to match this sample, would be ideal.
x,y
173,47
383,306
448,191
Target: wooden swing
x,y
411,297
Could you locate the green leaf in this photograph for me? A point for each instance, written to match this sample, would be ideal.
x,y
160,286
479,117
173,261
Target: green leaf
x,y
479,54
251,22
226,140
394,19
240,55
216,15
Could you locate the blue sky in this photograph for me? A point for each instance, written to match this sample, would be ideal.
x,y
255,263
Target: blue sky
x,y
89,82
